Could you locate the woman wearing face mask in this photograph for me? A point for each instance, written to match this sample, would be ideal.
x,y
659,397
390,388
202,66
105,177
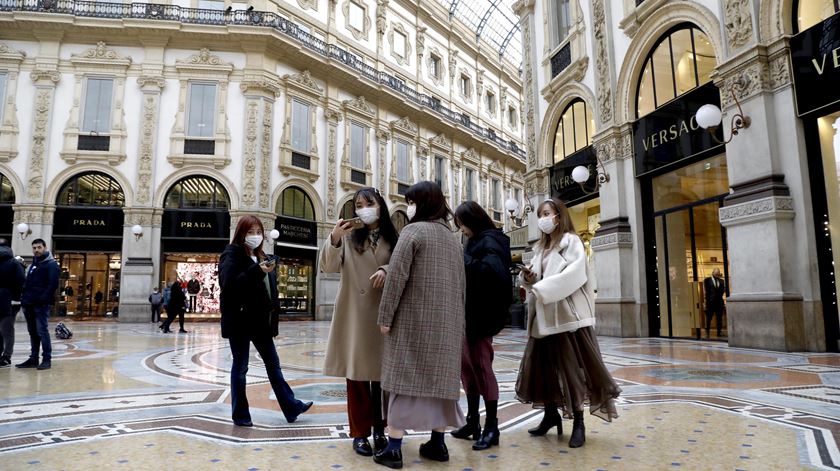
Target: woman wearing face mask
x,y
248,301
489,288
422,318
562,365
354,349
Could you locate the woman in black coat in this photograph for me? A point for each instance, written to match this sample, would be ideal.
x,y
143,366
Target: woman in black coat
x,y
249,315
489,292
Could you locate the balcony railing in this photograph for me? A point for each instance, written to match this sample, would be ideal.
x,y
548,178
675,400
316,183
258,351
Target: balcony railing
x,y
288,28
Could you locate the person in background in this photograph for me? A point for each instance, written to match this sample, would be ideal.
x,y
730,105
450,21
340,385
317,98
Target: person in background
x,y
422,317
354,349
489,286
156,300
176,307
562,364
715,289
248,297
11,284
193,288
37,300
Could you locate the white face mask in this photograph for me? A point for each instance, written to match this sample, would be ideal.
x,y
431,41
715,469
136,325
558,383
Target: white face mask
x,y
368,215
411,211
547,224
253,241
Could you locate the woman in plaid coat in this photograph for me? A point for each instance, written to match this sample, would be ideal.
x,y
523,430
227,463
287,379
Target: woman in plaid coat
x,y
422,317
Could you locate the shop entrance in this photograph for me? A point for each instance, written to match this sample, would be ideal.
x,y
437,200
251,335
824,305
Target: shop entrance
x,y
89,284
199,275
690,245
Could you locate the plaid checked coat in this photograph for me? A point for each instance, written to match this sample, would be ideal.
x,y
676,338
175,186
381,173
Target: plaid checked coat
x,y
423,304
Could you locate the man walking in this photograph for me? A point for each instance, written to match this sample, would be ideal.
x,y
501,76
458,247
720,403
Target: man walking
x,y
715,290
37,300
11,283
155,299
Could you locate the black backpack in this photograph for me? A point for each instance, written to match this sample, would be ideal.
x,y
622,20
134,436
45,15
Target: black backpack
x,y
62,332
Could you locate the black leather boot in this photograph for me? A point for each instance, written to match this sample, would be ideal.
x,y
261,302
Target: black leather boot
x,y
578,431
551,418
434,451
470,431
489,436
380,441
391,458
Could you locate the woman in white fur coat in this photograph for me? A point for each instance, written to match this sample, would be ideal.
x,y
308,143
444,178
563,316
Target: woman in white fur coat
x,y
562,366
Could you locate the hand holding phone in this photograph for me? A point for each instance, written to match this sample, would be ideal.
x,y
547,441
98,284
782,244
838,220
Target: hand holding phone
x,y
267,265
357,223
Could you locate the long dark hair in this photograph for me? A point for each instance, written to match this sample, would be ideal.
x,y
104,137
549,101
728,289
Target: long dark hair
x,y
386,227
430,202
242,227
564,223
474,217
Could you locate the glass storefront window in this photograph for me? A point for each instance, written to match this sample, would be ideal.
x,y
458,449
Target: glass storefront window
x,y
684,70
586,217
197,193
91,189
202,267
811,12
829,131
294,203
699,181
7,193
89,284
295,285
574,130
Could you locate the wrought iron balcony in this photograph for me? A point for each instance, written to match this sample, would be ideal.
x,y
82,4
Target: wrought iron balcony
x,y
291,30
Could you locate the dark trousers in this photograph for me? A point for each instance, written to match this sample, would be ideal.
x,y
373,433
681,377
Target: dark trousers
x,y
7,334
155,312
717,312
364,408
240,348
191,297
37,323
477,368
170,316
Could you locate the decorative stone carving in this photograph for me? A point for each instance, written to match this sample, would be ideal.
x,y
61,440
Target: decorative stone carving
x,y
616,239
470,155
146,151
453,64
40,132
402,57
479,82
405,125
269,87
265,152
422,168
249,157
528,83
149,81
381,16
773,207
442,141
739,27
602,71
421,43
10,61
382,138
308,4
5,49
204,57
745,83
332,137
333,116
503,91
304,80
45,76
100,53
360,105
779,72
455,171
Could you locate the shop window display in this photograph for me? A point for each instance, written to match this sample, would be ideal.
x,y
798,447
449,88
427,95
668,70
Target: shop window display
x,y
199,275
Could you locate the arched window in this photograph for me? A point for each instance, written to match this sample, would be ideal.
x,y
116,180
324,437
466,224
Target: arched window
x,y
807,13
347,210
574,130
400,219
7,192
295,203
679,62
197,193
91,189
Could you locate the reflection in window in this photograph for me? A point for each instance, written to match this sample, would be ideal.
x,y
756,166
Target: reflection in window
x,y
91,189
678,63
703,180
202,109
7,193
811,12
561,21
197,193
295,203
574,131
96,115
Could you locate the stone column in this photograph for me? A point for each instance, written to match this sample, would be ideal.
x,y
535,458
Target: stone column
x,y
333,118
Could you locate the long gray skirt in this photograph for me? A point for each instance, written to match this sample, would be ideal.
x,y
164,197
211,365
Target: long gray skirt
x,y
422,413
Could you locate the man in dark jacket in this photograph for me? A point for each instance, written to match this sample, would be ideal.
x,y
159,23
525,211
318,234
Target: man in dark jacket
x,y
175,307
11,283
193,288
715,289
37,300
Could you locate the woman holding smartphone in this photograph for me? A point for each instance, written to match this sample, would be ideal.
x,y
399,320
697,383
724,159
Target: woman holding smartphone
x,y
249,315
360,249
562,364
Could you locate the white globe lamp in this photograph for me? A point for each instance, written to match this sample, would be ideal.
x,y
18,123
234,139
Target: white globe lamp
x,y
23,230
709,116
512,206
137,230
274,234
580,174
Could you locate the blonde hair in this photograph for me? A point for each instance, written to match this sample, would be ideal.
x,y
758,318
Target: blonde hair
x,y
564,224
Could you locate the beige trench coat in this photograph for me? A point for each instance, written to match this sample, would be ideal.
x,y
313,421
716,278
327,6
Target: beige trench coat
x,y
423,304
354,349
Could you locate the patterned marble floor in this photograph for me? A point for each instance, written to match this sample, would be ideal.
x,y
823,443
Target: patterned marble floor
x,y
123,396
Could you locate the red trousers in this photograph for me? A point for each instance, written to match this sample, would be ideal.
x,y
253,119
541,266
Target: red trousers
x,y
364,407
477,368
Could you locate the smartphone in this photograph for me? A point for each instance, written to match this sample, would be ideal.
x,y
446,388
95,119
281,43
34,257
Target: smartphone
x,y
357,223
268,261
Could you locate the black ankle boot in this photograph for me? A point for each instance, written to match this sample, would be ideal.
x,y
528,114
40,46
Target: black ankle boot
x,y
551,418
434,451
471,431
578,431
489,436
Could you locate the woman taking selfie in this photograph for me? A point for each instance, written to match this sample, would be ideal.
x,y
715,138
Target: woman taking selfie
x,y
562,364
489,288
360,249
422,318
249,315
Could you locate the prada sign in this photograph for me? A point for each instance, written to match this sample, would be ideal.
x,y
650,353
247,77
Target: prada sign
x,y
296,231
562,184
671,133
77,221
181,224
815,58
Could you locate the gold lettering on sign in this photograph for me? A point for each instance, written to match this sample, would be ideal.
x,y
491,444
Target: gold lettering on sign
x,y
89,222
673,132
196,225
561,183
835,58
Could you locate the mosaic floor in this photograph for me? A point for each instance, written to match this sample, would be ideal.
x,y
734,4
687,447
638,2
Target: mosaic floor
x,y
123,396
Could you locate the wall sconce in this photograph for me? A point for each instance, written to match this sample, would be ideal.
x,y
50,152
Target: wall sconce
x,y
137,230
274,234
580,175
709,118
512,207
24,230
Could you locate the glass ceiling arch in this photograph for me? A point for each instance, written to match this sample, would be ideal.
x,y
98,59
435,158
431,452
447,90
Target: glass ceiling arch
x,y
492,20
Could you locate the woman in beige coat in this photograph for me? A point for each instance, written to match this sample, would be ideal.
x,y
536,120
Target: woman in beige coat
x,y
354,349
422,318
562,364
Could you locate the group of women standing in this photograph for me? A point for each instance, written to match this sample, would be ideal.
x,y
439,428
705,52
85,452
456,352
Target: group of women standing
x,y
414,321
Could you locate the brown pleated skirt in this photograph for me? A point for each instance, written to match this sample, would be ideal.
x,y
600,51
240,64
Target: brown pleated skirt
x,y
566,369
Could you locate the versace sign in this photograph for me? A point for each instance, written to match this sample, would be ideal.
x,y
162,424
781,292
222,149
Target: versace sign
x,y
563,186
815,58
